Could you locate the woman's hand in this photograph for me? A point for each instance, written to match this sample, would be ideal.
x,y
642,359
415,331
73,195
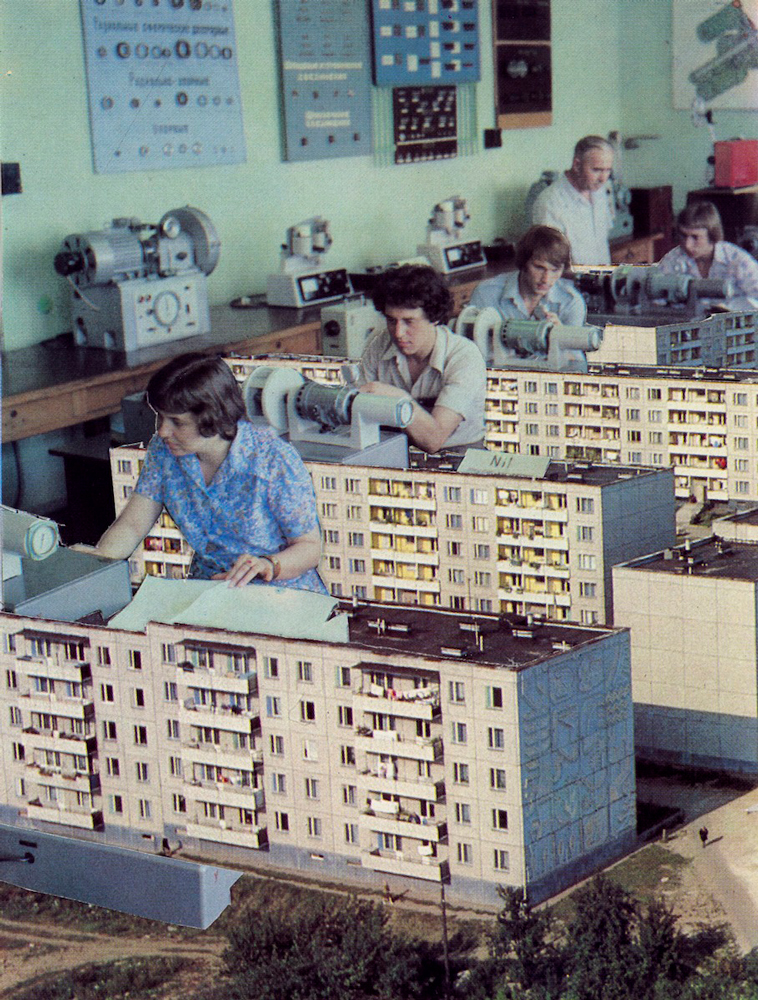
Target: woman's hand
x,y
247,568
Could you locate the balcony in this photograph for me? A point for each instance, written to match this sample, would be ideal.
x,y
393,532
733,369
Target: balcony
x,y
225,681
92,820
425,867
35,739
220,756
75,671
238,836
77,781
226,793
59,704
229,718
384,782
405,824
417,748
416,703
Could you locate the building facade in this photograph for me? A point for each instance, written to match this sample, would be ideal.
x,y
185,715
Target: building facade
x,y
430,535
430,745
694,625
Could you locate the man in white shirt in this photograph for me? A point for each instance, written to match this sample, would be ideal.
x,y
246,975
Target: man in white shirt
x,y
417,356
580,203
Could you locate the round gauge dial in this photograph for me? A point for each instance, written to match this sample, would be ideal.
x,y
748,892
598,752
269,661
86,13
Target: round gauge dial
x,y
166,308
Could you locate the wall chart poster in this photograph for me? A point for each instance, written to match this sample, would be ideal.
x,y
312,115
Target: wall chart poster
x,y
163,84
715,51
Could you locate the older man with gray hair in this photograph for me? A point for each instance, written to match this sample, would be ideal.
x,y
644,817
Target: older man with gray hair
x,y
580,203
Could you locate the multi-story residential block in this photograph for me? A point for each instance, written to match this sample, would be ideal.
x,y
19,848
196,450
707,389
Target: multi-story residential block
x,y
692,615
541,542
722,340
702,422
428,744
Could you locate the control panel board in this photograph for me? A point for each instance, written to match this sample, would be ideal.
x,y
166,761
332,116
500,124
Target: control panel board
x,y
325,59
163,84
308,289
425,41
523,73
425,123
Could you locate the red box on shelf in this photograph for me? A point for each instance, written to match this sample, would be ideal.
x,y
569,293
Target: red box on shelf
x,y
736,163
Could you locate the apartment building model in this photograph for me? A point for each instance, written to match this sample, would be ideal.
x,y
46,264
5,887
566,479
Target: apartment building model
x,y
702,422
721,340
540,540
480,750
692,615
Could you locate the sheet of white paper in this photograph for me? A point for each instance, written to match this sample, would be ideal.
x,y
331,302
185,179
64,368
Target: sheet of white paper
x,y
298,614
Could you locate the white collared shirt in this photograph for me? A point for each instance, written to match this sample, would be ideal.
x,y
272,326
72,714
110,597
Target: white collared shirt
x,y
585,221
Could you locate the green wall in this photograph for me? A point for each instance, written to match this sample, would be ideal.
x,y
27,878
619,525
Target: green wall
x,y
377,213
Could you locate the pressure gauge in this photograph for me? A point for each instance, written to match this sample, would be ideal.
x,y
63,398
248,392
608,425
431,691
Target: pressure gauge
x,y
166,308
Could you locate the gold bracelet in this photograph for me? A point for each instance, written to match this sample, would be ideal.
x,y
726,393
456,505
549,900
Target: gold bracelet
x,y
276,566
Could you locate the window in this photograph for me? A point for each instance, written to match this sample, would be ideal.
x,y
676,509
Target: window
x,y
310,750
142,771
531,408
172,729
461,774
307,711
494,696
632,392
587,589
496,738
456,576
585,533
532,430
279,783
741,486
135,659
112,767
635,458
452,494
585,505
587,561
349,795
270,666
109,730
355,539
351,833
305,670
15,715
139,698
347,756
454,521
168,651
497,778
11,679
634,436
481,552
741,443
457,692
530,386
180,803
140,735
144,808
277,746
343,677
550,388
500,819
329,510
501,861
170,692
115,804
332,536
314,826
460,733
655,416
328,482
106,692
357,565
9,643
352,486
282,822
345,715
478,496
482,579
311,788
740,399
465,854
632,414
175,766
462,812
455,548
273,706
19,753
654,394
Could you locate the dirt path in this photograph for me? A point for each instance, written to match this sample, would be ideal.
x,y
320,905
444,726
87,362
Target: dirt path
x,y
35,949
727,867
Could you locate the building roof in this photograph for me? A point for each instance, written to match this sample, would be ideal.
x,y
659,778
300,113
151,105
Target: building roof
x,y
713,557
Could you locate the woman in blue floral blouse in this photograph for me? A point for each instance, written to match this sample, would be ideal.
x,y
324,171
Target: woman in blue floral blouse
x,y
240,496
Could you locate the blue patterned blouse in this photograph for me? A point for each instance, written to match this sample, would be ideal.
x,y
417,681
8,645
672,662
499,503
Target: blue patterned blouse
x,y
260,499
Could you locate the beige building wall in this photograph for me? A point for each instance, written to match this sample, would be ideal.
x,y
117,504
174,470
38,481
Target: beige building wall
x,y
468,762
